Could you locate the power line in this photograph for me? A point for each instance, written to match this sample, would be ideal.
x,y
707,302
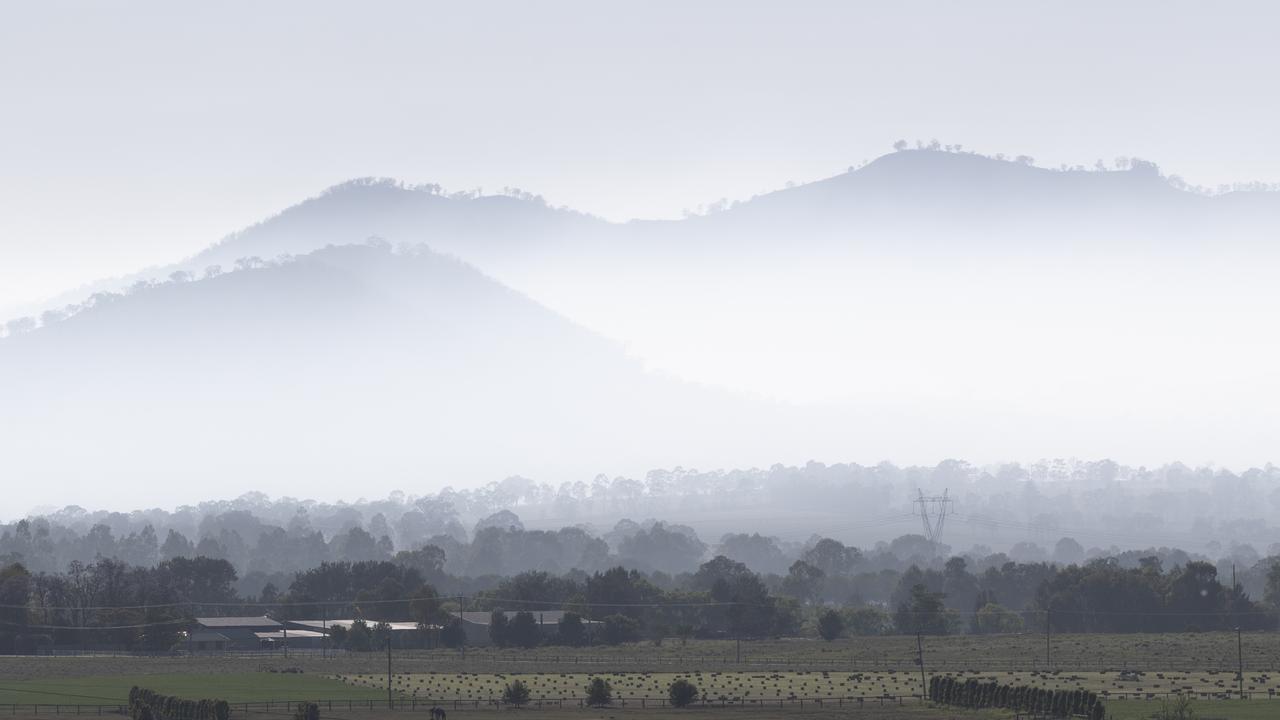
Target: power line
x,y
1040,528
328,603
138,626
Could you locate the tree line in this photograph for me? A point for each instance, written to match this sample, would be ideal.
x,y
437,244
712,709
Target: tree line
x,y
1223,516
111,603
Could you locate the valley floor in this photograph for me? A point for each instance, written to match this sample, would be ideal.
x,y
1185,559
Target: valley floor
x,y
1143,668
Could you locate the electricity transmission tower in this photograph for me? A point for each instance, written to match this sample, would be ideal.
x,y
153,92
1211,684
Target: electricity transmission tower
x,y
933,514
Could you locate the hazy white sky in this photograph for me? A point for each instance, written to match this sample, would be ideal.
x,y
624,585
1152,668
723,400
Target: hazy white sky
x,y
136,133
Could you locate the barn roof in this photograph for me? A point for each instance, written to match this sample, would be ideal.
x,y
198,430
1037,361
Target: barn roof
x,y
259,621
322,624
294,634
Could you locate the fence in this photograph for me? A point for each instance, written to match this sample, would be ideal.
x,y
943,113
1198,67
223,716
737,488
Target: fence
x,y
1060,662
484,658
423,704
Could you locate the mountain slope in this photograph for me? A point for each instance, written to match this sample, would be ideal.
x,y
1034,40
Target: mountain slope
x,y
350,365
938,204
483,230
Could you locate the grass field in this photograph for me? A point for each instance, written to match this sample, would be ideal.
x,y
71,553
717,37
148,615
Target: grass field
x,y
809,712
1190,651
1204,710
232,687
769,670
1094,653
752,686
759,687
731,686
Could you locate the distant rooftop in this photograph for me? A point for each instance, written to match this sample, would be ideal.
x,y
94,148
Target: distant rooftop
x,y
294,634
322,624
259,621
542,617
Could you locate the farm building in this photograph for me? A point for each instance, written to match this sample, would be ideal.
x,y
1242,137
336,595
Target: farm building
x,y
240,632
206,641
404,634
287,637
476,624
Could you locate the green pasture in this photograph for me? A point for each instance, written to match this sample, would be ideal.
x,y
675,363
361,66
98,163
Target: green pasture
x,y
1203,709
748,686
232,687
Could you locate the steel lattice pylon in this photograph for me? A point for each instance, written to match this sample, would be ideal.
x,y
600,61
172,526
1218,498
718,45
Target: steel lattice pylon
x,y
933,521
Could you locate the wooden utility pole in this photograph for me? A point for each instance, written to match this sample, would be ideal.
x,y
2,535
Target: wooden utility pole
x,y
1048,623
389,704
924,686
1240,661
462,626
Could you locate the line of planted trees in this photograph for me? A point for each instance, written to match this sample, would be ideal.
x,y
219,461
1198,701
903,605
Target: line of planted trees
x,y
146,704
971,693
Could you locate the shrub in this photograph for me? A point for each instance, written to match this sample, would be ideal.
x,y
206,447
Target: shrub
x,y
830,625
516,693
498,628
380,634
452,635
360,637
994,619
657,633
572,630
620,628
599,693
523,630
306,711
682,693
1179,709
337,636
869,621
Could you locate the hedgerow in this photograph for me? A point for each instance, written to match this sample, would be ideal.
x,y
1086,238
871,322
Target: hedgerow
x,y
147,704
948,690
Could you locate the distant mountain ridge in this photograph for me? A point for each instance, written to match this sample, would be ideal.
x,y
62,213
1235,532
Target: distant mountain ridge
x,y
357,210
927,305
920,197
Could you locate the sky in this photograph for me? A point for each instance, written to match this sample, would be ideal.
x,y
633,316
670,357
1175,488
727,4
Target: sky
x,y
134,134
